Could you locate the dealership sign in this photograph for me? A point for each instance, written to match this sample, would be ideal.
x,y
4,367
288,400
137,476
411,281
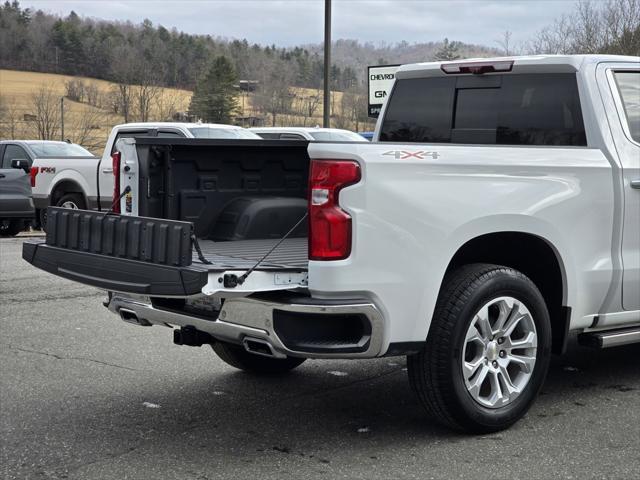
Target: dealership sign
x,y
380,82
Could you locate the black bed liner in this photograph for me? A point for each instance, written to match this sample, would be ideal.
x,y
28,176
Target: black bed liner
x,y
291,254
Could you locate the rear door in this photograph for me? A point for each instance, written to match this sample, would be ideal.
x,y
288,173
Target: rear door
x,y
624,83
15,188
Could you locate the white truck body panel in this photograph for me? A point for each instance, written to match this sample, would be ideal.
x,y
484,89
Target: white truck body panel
x,y
545,187
81,171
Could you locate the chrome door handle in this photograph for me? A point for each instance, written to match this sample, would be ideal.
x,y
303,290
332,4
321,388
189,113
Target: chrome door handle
x,y
635,183
107,170
2,175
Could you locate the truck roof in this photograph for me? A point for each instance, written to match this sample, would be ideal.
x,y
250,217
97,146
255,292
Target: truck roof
x,y
297,129
521,64
176,124
22,142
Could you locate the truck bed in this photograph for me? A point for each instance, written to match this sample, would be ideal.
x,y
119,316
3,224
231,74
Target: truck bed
x,y
243,254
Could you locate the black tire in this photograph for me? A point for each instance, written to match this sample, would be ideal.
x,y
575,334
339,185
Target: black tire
x,y
238,357
72,198
42,218
436,372
11,227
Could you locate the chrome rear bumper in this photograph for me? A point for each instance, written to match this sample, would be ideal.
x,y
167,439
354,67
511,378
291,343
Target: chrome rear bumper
x,y
242,318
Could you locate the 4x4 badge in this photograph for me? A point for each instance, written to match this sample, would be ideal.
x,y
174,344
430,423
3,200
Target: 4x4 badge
x,y
419,154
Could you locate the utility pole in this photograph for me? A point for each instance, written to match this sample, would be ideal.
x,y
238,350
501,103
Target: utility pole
x,y
327,64
62,118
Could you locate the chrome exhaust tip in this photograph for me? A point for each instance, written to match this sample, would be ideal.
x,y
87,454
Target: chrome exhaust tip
x,y
258,346
130,316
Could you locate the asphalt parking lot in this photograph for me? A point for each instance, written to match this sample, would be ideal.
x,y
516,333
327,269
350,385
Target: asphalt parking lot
x,y
86,396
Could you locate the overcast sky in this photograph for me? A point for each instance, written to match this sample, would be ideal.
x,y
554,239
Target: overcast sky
x,y
294,22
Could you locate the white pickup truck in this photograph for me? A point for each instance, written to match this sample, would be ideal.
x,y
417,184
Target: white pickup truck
x,y
67,175
497,211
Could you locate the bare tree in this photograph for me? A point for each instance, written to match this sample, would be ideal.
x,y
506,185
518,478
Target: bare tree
x,y
85,127
309,105
274,97
46,107
333,104
75,90
92,94
354,107
144,97
122,99
340,121
168,103
10,124
505,43
593,27
622,27
124,70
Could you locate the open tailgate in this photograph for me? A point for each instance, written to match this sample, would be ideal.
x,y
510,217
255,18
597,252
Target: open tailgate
x,y
153,256
121,253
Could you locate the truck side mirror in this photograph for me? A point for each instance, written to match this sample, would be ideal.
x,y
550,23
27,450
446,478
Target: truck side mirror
x,y
22,163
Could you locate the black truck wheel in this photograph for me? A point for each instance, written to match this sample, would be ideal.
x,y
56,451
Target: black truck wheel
x,y
487,352
238,357
74,201
11,227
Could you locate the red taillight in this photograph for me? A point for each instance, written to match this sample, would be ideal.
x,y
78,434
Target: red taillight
x,y
33,173
115,160
329,225
477,68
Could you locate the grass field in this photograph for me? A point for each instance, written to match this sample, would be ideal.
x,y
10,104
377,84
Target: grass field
x,y
17,89
90,126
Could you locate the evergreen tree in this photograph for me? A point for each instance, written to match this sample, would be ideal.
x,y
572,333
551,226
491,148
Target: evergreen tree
x,y
448,51
214,98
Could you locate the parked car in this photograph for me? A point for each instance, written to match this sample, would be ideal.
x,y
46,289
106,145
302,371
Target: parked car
x,y
367,135
67,175
307,133
47,157
16,204
497,213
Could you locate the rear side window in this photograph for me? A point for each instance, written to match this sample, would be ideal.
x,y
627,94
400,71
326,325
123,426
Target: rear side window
x,y
166,134
269,136
58,149
290,136
515,109
629,87
129,134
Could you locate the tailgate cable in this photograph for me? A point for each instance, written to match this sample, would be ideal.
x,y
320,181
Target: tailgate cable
x,y
243,277
196,245
126,190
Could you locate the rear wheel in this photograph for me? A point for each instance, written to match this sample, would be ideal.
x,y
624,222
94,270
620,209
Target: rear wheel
x,y
487,352
73,201
238,357
11,227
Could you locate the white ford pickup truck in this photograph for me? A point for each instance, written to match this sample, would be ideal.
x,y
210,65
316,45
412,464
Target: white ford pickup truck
x,y
66,175
497,211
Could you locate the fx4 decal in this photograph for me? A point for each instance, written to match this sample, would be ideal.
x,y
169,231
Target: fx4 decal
x,y
419,154
47,169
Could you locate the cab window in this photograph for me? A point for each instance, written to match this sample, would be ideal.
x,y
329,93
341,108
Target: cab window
x,y
13,152
130,134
